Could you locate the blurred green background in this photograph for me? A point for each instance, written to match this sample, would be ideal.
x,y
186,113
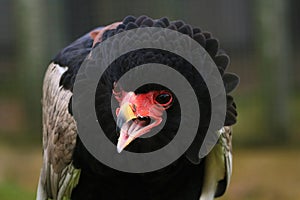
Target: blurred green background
x,y
261,38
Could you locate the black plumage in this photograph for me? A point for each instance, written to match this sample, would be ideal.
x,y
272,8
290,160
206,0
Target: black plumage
x,y
184,178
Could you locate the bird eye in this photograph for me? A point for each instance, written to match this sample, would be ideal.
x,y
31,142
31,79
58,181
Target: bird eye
x,y
163,98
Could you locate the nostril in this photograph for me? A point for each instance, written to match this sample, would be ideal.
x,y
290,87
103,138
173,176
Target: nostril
x,y
133,107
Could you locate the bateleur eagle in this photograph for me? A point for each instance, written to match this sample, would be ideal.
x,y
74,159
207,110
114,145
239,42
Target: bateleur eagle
x,y
69,171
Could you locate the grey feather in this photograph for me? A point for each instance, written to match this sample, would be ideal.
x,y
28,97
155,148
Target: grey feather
x,y
59,138
218,166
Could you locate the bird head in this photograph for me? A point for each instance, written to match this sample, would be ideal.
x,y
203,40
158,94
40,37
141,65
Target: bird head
x,y
138,114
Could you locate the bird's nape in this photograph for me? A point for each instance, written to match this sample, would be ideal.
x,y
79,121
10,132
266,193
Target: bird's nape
x,y
70,171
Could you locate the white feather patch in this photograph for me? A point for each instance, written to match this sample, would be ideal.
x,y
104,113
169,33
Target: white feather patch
x,y
61,69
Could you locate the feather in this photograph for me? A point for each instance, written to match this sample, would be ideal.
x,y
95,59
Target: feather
x,y
59,131
65,158
218,167
231,82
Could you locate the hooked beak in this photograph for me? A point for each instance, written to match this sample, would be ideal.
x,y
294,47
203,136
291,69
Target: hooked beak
x,y
124,116
132,126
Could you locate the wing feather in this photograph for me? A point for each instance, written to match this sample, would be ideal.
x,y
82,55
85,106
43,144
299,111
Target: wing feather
x,y
218,166
59,137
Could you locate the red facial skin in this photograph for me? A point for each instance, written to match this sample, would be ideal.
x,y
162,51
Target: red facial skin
x,y
139,106
142,105
146,105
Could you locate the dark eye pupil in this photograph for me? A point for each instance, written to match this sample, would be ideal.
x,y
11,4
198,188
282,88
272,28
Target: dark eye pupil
x,y
163,98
